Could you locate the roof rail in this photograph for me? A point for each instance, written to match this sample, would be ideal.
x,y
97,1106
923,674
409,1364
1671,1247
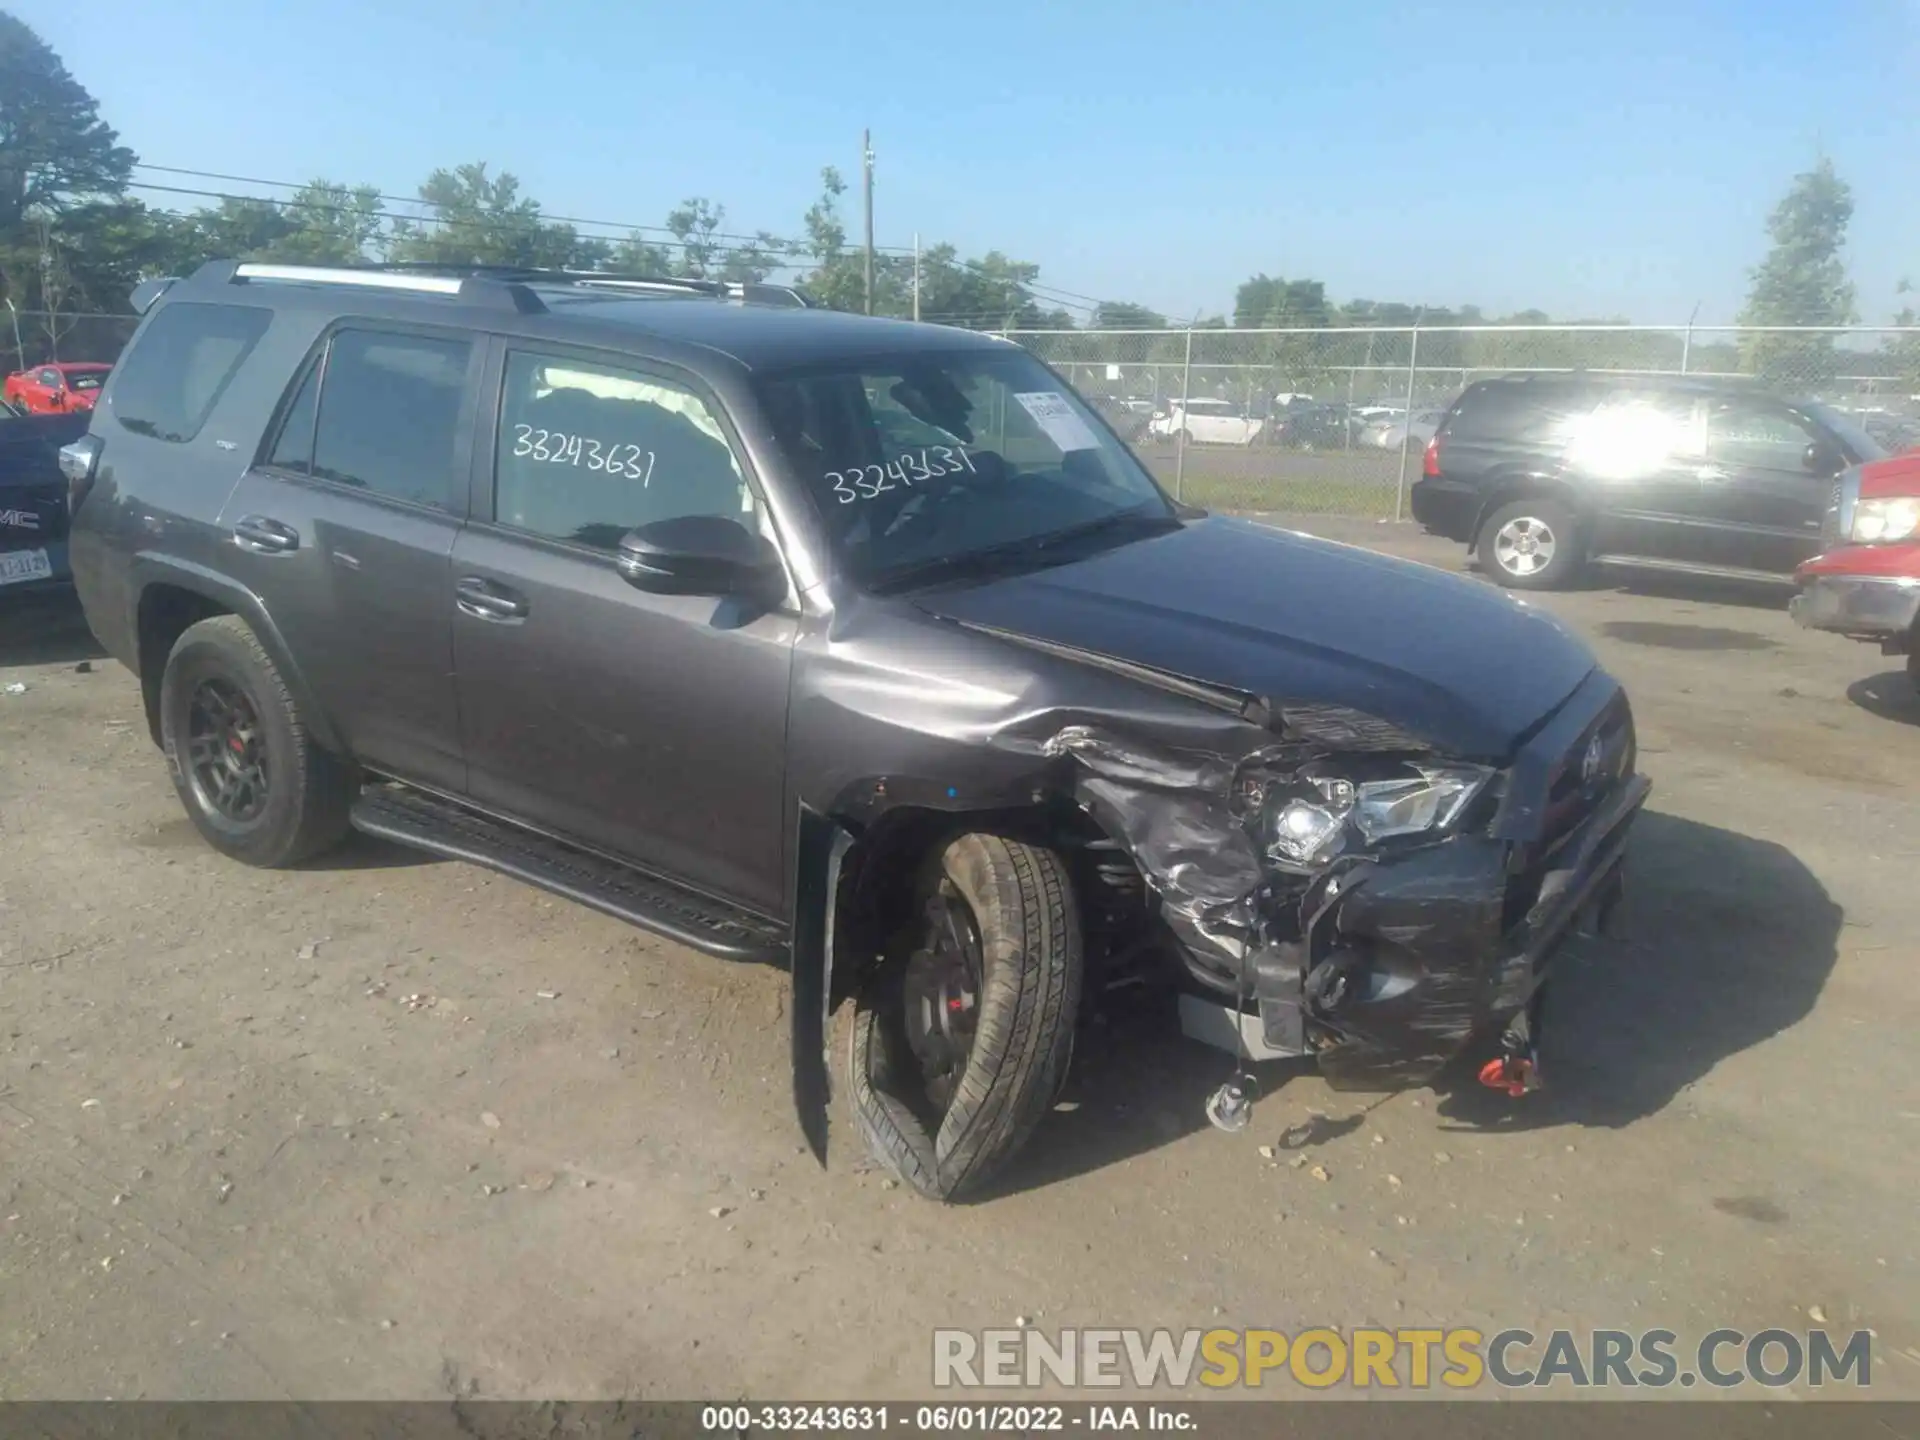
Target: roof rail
x,y
495,284
473,288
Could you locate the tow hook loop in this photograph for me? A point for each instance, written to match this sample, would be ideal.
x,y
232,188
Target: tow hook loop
x,y
1514,1074
1231,1106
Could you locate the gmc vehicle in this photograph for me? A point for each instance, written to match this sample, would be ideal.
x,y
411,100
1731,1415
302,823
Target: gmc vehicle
x,y
1542,475
33,499
856,646
1865,583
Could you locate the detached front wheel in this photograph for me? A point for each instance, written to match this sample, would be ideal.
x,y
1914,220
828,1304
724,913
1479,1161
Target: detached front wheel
x,y
962,1040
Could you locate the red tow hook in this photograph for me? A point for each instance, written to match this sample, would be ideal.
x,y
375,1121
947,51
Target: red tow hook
x,y
1511,1073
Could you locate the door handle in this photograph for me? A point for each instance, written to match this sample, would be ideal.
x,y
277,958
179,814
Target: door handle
x,y
484,600
264,535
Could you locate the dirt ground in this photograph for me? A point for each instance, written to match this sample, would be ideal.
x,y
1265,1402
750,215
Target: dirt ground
x,y
391,1127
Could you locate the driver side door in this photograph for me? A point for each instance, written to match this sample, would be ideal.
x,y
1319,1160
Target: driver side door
x,y
1764,503
649,727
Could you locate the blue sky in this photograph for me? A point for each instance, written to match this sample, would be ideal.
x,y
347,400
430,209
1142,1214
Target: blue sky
x,y
1589,159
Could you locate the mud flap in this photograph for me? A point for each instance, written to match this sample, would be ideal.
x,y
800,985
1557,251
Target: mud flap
x,y
820,848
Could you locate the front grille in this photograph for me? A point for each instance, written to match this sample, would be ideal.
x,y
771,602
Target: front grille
x,y
1575,785
1830,522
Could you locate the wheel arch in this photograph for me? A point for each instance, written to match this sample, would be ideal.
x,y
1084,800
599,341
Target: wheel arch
x,y
1519,486
172,595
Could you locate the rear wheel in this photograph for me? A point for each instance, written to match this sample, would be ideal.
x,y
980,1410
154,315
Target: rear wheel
x,y
962,1040
1531,544
253,783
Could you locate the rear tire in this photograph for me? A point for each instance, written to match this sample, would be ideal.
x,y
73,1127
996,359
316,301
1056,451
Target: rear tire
x,y
1532,544
253,782
945,1135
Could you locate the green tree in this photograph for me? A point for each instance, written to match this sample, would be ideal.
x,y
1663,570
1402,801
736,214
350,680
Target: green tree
x,y
59,161
1124,315
483,220
1803,279
55,150
333,224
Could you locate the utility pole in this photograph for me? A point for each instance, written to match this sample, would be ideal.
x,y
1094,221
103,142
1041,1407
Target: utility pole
x,y
866,159
916,275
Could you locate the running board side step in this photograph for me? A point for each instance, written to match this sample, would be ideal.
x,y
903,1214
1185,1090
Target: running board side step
x,y
427,822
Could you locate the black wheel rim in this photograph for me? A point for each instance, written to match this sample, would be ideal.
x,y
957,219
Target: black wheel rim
x,y
227,751
942,993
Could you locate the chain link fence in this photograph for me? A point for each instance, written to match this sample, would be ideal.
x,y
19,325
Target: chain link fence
x,y
1329,421
1336,421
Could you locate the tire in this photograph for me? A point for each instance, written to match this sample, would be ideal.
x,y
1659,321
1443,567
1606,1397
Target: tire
x,y
1531,544
1028,1001
1913,667
299,806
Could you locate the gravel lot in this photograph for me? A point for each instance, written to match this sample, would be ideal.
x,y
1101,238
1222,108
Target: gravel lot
x,y
390,1127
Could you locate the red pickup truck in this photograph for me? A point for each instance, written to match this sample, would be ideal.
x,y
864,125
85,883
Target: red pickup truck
x,y
56,389
1865,583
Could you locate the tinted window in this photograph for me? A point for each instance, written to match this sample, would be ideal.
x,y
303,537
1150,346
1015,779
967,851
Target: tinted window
x,y
390,415
587,453
1633,433
1517,411
171,380
293,450
1743,432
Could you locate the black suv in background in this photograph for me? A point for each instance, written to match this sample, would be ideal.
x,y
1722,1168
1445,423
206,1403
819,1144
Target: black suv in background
x,y
1541,474
857,646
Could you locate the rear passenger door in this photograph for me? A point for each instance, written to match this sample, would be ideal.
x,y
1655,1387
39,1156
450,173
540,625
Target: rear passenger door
x,y
1637,459
344,527
650,727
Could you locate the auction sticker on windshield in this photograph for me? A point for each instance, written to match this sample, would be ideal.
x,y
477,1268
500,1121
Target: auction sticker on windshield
x,y
1054,415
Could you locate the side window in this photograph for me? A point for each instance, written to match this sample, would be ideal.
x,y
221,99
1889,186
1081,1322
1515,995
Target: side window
x,y
587,453
389,416
293,447
1750,434
50,379
1630,435
170,381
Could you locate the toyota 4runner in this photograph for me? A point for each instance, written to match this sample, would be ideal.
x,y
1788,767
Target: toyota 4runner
x,y
857,646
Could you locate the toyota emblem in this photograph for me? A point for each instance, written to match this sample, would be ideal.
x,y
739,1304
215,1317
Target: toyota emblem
x,y
1591,762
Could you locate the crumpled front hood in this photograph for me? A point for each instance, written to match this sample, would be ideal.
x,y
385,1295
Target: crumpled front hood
x,y
1295,620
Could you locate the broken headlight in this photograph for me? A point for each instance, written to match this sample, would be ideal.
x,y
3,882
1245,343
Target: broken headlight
x,y
1308,820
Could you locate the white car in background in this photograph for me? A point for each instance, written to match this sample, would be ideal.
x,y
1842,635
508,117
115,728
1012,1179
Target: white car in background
x,y
1393,435
1204,422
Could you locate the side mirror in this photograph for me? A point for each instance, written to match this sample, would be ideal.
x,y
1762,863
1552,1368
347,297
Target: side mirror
x,y
1821,458
700,555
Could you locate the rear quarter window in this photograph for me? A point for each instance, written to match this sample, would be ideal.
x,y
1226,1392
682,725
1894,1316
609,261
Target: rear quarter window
x,y
180,366
1512,412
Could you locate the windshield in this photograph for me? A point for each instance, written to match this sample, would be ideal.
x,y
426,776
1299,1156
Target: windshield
x,y
1851,433
935,458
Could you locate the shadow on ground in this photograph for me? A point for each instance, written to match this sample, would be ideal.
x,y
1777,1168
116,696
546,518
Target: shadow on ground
x,y
1888,696
1728,941
45,628
1137,1084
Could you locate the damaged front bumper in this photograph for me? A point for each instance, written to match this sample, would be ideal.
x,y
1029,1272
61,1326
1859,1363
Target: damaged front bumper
x,y
1389,961
1420,954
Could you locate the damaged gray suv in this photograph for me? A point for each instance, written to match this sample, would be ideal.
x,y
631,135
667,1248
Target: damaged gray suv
x,y
856,646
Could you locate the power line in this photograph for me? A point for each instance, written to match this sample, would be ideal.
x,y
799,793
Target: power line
x,y
774,246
